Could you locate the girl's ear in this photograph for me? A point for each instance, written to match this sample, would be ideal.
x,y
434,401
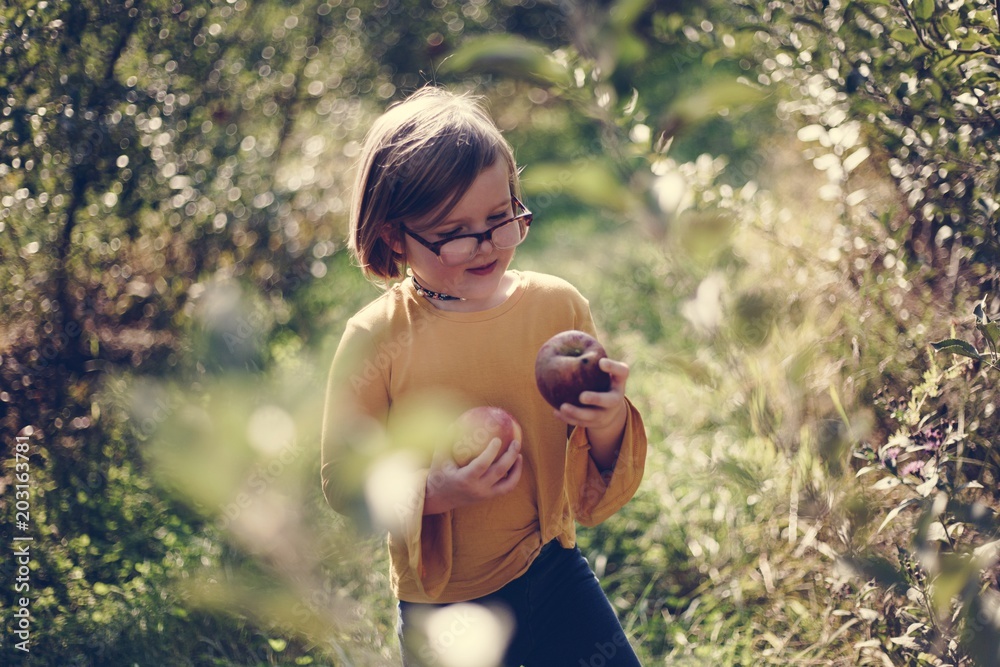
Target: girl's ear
x,y
393,239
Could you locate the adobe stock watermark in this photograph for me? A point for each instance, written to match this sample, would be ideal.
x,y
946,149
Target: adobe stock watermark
x,y
22,541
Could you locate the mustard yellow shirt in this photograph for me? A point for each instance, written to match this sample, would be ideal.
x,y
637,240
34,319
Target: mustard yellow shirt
x,y
400,344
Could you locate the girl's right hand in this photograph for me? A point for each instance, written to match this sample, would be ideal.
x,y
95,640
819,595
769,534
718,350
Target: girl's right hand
x,y
449,486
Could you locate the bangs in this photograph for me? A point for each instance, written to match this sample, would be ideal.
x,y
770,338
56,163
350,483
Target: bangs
x,y
430,178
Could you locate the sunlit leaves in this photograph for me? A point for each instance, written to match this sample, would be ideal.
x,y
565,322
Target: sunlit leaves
x,y
957,346
507,55
904,36
927,92
706,102
590,181
923,9
990,331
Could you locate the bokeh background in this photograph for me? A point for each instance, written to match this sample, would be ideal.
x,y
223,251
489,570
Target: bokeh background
x,y
775,208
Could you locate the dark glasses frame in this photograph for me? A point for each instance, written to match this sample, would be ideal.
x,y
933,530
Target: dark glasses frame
x,y
525,216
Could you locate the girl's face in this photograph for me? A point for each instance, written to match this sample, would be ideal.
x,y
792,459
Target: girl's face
x,y
481,280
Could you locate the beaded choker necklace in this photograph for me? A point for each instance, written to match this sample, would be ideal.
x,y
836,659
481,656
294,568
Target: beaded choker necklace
x,y
428,294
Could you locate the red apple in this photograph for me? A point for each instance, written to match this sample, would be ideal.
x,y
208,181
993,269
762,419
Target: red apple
x,y
568,364
476,428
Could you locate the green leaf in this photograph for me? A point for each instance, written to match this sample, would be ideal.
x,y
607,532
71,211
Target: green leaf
x,y
739,474
981,317
973,42
506,54
935,90
590,181
926,487
885,483
835,396
951,23
957,571
981,634
896,510
625,13
923,9
977,514
707,102
957,346
695,370
991,332
904,35
946,64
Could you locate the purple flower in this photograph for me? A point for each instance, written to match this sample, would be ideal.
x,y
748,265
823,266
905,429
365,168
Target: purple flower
x,y
912,467
889,456
933,438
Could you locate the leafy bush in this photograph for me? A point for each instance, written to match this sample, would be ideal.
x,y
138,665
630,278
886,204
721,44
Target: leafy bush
x,y
941,468
921,78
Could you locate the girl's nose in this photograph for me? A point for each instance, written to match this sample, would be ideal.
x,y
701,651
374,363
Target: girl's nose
x,y
480,248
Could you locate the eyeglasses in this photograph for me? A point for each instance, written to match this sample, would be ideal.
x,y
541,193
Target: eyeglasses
x,y
460,249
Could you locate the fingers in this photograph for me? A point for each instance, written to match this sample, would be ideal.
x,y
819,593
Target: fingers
x,y
479,465
597,399
504,463
490,467
597,407
510,480
499,476
618,371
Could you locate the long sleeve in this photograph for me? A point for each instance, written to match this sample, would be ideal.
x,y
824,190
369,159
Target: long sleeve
x,y
356,409
426,542
357,402
594,495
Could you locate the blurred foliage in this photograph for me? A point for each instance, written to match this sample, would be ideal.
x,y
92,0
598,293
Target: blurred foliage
x,y
174,181
921,79
940,466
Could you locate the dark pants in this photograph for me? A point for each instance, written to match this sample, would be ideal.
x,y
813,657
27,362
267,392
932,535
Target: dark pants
x,y
561,616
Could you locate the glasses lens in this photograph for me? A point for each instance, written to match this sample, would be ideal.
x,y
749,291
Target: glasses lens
x,y
458,251
508,235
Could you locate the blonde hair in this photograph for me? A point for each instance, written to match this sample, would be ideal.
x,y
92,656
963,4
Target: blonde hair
x,y
420,157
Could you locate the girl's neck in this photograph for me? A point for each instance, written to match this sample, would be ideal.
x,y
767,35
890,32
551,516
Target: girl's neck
x,y
429,294
506,288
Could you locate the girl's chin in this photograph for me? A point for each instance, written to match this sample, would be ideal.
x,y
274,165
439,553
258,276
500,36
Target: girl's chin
x,y
485,270
473,283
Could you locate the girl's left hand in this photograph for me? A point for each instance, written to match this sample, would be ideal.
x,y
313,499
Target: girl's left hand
x,y
602,410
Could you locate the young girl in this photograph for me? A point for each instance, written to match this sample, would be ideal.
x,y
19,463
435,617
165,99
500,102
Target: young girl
x,y
436,206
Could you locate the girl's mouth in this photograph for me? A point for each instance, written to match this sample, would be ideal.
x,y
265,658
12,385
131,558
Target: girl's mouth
x,y
484,270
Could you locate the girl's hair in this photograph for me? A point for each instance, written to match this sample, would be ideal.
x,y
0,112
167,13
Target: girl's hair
x,y
420,157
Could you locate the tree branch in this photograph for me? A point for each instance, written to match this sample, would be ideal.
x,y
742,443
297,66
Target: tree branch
x,y
82,177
